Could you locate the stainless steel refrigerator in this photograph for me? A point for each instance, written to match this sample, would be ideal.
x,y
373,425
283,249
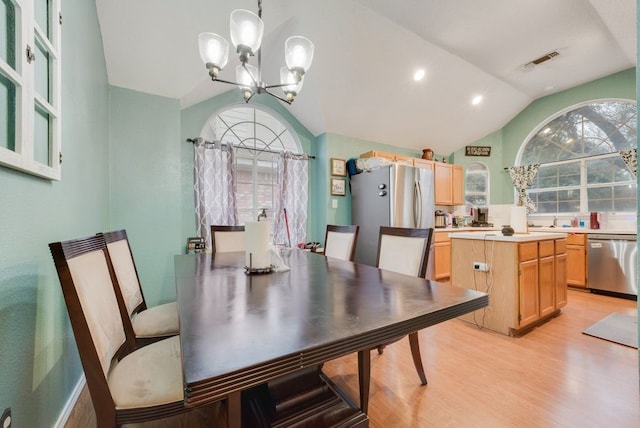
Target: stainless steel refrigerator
x,y
396,195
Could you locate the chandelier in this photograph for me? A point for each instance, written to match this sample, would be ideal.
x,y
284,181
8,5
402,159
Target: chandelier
x,y
246,30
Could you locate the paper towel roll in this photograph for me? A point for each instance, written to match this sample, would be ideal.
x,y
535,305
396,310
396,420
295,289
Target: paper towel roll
x,y
519,219
257,248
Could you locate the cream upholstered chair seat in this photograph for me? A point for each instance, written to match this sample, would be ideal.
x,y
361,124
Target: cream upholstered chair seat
x,y
126,384
151,376
340,241
161,320
149,323
227,239
406,251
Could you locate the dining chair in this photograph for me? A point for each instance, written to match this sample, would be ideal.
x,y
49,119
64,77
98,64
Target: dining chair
x,y
226,239
127,385
340,241
149,323
406,251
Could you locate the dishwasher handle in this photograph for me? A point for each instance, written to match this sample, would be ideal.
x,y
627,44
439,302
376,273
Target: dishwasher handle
x,y
611,237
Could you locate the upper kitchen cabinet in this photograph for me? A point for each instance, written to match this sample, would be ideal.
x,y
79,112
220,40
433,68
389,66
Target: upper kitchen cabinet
x,y
449,183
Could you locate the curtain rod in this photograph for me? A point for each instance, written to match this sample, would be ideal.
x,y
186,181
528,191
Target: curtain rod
x,y
195,140
579,158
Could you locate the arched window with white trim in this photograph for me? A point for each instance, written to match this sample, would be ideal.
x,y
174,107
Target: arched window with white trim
x,y
476,185
578,150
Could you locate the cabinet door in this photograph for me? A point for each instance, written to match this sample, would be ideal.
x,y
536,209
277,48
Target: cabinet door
x,y
576,266
528,292
561,281
546,285
458,185
443,182
442,260
423,163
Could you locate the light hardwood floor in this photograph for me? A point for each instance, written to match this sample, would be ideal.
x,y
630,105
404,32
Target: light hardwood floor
x,y
554,376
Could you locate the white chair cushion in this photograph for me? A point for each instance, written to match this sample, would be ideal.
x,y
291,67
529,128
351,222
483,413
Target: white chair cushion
x,y
90,274
161,320
227,242
125,270
338,245
150,376
401,254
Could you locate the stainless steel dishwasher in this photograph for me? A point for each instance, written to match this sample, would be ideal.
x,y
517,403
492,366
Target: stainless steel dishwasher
x,y
613,264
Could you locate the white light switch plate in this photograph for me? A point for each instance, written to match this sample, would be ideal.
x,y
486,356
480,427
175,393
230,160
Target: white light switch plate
x,y
334,203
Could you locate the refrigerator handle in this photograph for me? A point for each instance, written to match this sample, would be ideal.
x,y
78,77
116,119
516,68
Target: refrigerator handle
x,y
417,201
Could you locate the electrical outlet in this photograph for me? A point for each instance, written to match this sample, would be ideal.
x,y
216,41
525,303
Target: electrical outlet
x,y
5,420
482,267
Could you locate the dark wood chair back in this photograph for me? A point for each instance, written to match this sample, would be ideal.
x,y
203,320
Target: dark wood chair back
x,y
340,241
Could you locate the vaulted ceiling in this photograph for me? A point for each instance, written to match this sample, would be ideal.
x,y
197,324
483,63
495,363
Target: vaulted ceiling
x,y
366,52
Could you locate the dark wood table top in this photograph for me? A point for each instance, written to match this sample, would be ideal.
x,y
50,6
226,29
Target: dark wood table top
x,y
238,331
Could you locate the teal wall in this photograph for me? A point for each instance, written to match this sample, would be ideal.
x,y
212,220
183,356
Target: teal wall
x,y
39,366
506,142
146,184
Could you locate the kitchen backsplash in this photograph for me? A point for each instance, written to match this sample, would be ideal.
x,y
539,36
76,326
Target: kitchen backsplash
x,y
500,215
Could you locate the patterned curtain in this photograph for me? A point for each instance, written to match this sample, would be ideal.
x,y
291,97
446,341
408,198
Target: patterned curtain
x,y
293,185
630,158
214,187
522,178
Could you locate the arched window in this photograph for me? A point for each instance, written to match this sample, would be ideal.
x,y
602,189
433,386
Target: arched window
x,y
476,185
580,166
258,137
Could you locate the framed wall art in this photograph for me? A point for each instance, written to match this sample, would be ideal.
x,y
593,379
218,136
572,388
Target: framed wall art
x,y
338,186
338,167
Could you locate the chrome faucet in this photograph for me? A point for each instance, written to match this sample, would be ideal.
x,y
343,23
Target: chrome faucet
x,y
555,221
263,214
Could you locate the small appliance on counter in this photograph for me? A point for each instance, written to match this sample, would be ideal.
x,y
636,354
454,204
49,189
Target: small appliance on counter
x,y
441,219
481,217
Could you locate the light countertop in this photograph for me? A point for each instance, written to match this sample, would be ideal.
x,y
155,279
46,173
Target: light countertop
x,y
516,237
542,229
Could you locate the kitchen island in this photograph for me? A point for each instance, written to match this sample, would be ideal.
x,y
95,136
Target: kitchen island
x,y
524,275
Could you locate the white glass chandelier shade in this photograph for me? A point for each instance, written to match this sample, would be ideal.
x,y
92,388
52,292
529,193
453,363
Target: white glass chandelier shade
x,y
287,78
248,77
246,30
298,53
214,49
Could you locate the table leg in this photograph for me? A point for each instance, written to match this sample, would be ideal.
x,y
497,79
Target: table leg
x,y
417,359
364,377
234,410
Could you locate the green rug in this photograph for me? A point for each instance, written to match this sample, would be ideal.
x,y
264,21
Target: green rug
x,y
617,328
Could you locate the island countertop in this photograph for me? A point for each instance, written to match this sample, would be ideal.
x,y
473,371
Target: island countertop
x,y
516,237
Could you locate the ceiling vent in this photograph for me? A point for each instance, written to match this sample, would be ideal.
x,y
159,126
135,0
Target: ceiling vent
x,y
531,64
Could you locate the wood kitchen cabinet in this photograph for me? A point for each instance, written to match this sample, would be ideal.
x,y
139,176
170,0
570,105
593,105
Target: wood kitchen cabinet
x,y
441,256
526,282
577,260
449,184
423,163
457,185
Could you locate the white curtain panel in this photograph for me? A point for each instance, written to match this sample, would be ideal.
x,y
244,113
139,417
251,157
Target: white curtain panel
x,y
293,185
214,187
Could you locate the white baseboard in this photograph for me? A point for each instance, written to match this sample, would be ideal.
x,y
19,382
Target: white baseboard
x,y
73,399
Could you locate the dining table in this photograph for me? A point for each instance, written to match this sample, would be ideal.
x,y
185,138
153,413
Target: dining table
x,y
249,337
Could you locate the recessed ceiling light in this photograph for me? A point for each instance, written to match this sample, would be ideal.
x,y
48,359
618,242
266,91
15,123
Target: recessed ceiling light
x,y
419,75
476,100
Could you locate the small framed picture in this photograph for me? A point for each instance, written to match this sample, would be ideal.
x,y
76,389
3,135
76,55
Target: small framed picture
x,y
338,167
338,186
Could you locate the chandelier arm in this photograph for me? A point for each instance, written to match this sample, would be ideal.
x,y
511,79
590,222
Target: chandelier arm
x,y
280,85
226,81
278,97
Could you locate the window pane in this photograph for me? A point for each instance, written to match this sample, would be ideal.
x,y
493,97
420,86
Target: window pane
x,y
7,113
476,200
8,32
557,201
42,11
42,72
557,176
42,137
